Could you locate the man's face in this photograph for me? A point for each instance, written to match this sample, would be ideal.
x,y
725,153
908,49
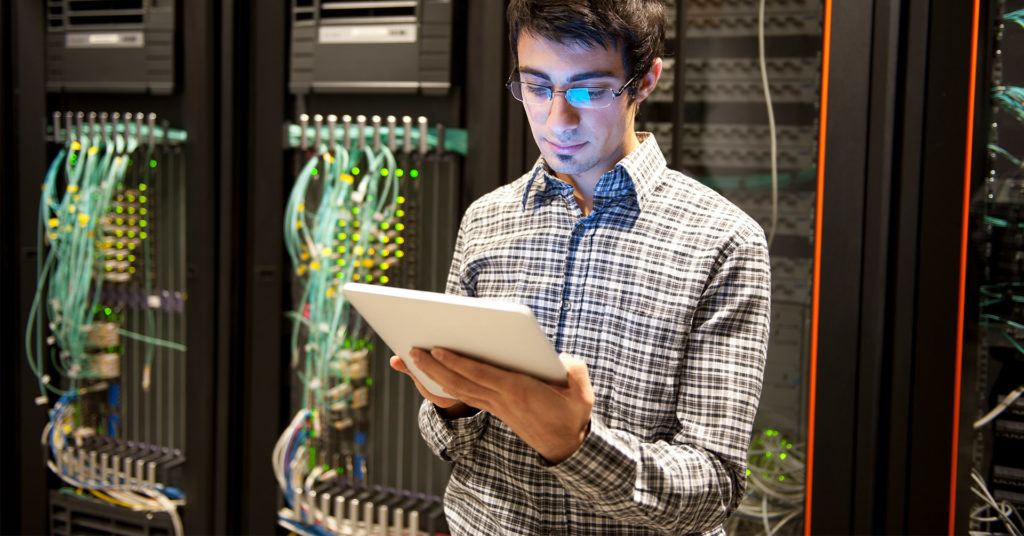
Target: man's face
x,y
583,144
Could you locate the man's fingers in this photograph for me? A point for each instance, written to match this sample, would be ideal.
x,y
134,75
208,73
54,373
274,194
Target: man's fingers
x,y
489,376
448,370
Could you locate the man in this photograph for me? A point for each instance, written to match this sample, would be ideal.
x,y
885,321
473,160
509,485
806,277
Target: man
x,y
654,288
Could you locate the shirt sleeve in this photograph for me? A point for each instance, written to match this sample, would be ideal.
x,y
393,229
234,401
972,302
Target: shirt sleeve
x,y
694,482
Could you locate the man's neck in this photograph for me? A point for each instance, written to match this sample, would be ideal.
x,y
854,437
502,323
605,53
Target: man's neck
x,y
585,183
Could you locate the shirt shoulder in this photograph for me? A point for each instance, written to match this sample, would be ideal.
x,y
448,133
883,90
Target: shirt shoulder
x,y
695,210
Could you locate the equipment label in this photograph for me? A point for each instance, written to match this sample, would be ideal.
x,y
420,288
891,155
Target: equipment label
x,y
105,40
368,33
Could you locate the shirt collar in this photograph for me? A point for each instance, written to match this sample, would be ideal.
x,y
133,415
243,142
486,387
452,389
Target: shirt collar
x,y
640,172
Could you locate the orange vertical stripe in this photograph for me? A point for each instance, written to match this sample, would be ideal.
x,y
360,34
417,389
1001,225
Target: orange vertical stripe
x,y
815,302
963,265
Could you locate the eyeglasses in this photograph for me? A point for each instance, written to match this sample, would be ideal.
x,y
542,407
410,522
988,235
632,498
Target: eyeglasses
x,y
586,98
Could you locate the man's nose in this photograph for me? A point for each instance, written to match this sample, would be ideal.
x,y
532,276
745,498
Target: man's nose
x,y
562,116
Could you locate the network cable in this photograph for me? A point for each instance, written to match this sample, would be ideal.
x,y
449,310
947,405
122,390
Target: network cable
x,y
772,136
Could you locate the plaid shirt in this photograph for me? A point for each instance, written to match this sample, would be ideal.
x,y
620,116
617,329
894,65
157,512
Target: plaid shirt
x,y
663,289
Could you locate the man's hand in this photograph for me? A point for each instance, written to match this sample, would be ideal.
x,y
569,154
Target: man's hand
x,y
553,419
449,406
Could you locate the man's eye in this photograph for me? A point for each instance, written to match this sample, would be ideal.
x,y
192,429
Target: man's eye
x,y
539,91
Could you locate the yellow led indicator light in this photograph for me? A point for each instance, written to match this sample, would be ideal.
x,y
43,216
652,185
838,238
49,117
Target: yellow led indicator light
x,y
400,213
359,250
131,198
131,246
119,257
72,209
298,224
384,173
385,253
330,292
384,266
399,254
399,226
304,256
119,233
142,187
400,240
131,234
314,265
54,222
93,150
73,188
385,239
400,199
131,258
325,252
120,221
131,269
399,172
142,211
75,146
120,245
384,281
342,236
143,235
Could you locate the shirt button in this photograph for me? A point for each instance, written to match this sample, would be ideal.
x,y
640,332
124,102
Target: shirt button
x,y
566,305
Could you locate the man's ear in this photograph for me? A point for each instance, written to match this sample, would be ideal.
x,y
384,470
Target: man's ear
x,y
649,81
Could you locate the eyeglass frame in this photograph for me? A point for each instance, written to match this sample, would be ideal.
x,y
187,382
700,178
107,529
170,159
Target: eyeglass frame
x,y
553,92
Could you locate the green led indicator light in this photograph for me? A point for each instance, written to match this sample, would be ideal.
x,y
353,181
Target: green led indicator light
x,y
143,211
748,472
152,163
781,478
414,173
400,227
143,235
119,210
107,311
142,187
384,173
355,171
338,276
355,211
131,210
399,172
369,382
782,456
142,199
369,278
385,225
314,172
400,213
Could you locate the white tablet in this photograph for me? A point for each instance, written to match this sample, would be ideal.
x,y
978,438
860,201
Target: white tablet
x,y
503,334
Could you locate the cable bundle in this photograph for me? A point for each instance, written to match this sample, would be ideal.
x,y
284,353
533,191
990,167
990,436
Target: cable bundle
x,y
342,223
94,233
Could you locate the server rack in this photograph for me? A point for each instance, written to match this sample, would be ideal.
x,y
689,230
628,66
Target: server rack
x,y
208,269
986,468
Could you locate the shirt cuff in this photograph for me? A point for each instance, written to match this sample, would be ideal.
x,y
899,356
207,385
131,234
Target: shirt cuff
x,y
452,437
601,470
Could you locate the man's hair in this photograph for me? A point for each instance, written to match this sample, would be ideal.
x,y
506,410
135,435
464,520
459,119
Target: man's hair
x,y
635,27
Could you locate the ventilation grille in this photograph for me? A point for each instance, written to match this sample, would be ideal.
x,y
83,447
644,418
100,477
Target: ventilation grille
x,y
368,10
95,13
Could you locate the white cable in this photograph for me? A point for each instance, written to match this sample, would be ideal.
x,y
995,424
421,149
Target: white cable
x,y
1003,510
771,123
999,408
